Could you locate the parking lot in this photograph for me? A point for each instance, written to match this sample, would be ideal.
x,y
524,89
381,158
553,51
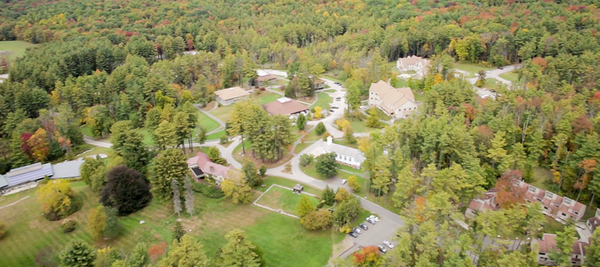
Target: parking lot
x,y
385,229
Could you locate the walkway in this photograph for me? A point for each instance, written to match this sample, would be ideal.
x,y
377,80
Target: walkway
x,y
208,114
8,205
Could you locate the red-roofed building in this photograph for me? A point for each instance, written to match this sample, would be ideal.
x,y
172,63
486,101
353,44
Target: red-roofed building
x,y
200,166
286,107
547,244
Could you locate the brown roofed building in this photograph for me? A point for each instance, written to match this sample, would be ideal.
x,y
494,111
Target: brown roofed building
x,y
547,244
285,106
262,80
396,102
231,95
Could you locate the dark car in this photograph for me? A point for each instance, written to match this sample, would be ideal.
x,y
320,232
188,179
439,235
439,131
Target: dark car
x,y
363,226
501,68
382,248
353,234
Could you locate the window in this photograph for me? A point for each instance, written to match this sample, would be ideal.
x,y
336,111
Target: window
x,y
568,201
563,214
545,207
576,212
532,189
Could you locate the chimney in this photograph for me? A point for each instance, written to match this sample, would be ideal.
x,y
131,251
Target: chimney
x,y
329,140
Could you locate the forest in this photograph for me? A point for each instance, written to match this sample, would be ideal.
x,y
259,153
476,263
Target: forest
x,y
102,62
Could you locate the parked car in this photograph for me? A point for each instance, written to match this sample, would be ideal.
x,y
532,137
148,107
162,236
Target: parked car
x,y
374,218
356,230
382,248
338,99
363,226
501,68
388,244
344,181
353,234
334,107
371,221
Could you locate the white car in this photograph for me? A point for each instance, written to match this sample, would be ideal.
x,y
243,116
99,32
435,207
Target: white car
x,y
388,244
374,218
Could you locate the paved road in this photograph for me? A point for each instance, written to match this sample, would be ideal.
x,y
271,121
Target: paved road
x,y
495,74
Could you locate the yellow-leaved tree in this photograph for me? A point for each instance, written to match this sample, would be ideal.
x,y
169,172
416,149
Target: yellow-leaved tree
x,y
56,199
318,113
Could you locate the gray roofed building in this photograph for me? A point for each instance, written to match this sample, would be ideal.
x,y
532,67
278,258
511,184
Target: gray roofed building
x,y
29,173
344,154
3,181
67,169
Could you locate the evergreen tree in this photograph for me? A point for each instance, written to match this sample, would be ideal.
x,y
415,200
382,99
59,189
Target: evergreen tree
x,y
171,164
328,196
187,253
301,122
176,196
373,119
77,254
320,128
178,231
164,135
592,256
238,251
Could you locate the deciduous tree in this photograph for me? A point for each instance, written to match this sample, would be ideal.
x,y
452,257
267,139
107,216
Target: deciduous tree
x,y
126,190
238,251
317,219
236,187
187,253
57,199
304,206
169,165
326,165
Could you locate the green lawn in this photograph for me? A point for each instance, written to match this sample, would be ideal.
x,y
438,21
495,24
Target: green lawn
x,y
216,135
207,122
360,127
286,182
419,96
312,136
284,199
86,130
398,83
311,171
471,68
17,48
491,83
323,101
511,76
283,240
96,150
301,147
222,112
352,170
147,137
542,178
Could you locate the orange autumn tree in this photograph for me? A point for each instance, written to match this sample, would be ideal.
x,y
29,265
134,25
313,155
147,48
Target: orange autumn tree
x,y
509,195
588,166
367,256
39,145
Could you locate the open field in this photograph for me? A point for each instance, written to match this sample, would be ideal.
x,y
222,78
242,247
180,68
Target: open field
x,y
207,122
283,240
283,199
323,101
471,68
216,135
511,76
288,183
17,48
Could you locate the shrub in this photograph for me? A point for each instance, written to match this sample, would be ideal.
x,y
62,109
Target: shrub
x,y
315,220
306,160
207,190
327,134
224,140
68,225
320,129
262,170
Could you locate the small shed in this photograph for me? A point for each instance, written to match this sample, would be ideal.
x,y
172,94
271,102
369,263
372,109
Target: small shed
x,y
298,188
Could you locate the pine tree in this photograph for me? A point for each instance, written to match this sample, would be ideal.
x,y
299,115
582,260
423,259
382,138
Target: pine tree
x,y
301,122
77,254
176,196
238,251
373,119
178,231
164,135
328,196
171,164
189,196
185,253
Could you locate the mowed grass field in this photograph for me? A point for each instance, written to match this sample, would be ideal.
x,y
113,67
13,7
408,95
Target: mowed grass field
x,y
17,48
284,199
282,238
323,101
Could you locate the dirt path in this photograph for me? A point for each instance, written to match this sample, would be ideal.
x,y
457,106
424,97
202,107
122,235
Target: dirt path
x,y
6,206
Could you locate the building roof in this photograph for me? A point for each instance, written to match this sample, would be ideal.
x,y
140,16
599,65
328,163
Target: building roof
x,y
394,97
67,169
231,93
411,60
28,173
284,106
206,166
344,151
548,244
267,77
3,181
